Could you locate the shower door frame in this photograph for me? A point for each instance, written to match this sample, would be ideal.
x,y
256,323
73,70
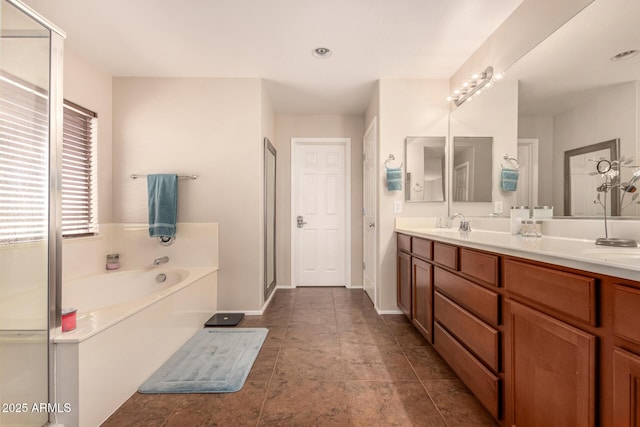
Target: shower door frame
x,y
56,55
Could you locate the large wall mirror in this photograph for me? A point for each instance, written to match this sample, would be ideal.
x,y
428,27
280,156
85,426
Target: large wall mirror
x,y
577,89
269,218
426,167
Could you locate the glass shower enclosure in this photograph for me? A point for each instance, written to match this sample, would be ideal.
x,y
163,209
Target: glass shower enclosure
x,y
30,149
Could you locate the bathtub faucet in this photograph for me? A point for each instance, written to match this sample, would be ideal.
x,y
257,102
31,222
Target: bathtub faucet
x,y
162,260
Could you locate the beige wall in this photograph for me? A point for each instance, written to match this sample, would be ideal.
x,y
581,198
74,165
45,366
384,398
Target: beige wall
x,y
405,108
91,88
207,127
316,126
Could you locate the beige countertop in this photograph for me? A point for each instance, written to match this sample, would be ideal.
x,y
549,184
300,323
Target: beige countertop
x,y
581,254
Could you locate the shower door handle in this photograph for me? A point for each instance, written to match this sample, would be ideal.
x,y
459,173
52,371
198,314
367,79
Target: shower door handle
x,y
301,222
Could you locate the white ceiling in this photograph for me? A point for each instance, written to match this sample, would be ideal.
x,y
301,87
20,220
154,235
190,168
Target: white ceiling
x,y
273,39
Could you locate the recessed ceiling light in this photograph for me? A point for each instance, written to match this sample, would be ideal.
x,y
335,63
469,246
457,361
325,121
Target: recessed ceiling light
x,y
625,55
322,52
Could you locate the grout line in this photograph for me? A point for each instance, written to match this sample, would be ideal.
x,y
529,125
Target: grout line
x,y
273,371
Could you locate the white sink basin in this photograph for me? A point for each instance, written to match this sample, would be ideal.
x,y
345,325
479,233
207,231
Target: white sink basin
x,y
613,254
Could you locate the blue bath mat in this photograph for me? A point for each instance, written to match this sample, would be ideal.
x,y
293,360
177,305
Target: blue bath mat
x,y
212,361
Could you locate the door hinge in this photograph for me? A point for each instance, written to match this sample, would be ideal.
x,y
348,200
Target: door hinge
x,y
364,266
364,157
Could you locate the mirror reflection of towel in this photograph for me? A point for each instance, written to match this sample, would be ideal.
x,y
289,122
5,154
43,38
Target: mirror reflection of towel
x,y
394,179
509,179
162,190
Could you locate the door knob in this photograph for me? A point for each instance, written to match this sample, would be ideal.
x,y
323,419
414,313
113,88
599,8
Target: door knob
x,y
372,224
301,222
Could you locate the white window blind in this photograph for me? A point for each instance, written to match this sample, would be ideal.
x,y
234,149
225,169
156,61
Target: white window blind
x,y
78,171
24,156
23,162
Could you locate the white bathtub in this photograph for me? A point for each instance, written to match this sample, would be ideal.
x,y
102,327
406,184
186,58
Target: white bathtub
x,y
128,324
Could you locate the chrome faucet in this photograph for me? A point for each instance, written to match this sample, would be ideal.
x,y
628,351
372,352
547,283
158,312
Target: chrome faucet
x,y
464,223
162,260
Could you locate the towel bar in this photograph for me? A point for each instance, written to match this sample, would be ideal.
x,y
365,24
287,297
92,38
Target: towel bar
x,y
136,176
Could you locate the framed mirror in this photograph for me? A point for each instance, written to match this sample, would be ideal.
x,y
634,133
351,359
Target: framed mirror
x,y
580,183
425,162
269,218
471,179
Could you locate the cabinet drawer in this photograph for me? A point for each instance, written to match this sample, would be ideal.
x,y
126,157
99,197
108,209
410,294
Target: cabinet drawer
x,y
478,265
476,335
484,385
404,242
626,313
480,301
565,293
421,247
445,254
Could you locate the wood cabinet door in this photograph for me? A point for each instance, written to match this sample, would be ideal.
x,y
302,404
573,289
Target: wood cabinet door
x,y
404,283
626,388
422,297
550,371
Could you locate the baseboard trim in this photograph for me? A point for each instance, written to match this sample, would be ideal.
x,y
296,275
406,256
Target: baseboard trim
x,y
381,312
247,313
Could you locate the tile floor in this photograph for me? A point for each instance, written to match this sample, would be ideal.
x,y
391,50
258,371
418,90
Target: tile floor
x,y
329,360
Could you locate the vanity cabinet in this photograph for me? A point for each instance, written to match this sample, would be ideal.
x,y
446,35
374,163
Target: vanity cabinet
x,y
550,365
422,309
415,288
626,393
455,305
467,320
626,356
404,282
536,343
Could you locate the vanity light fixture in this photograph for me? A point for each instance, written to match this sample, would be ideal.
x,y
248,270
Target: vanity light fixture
x,y
321,52
473,86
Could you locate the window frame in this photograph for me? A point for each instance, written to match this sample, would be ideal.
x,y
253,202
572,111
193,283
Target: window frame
x,y
91,228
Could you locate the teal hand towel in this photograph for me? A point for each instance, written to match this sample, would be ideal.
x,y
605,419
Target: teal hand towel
x,y
394,179
162,190
509,179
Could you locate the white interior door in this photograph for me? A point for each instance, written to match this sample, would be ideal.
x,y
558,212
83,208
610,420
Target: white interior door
x,y
319,212
461,182
369,181
583,185
527,192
